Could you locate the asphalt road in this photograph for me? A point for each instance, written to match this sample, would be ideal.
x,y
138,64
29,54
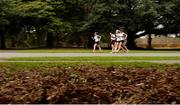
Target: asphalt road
x,y
9,55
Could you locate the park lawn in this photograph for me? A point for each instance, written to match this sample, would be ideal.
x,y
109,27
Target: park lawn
x,y
54,51
84,51
91,58
16,66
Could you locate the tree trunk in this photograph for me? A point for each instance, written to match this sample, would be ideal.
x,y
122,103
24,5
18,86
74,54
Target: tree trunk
x,y
13,42
49,41
131,41
90,40
149,41
2,39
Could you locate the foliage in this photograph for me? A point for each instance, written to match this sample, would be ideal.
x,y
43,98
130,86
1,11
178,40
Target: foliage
x,y
169,12
43,16
3,12
72,21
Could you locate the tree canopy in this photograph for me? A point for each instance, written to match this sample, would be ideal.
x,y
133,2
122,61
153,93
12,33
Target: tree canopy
x,y
54,22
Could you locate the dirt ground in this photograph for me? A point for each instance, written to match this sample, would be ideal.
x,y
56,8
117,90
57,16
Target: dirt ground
x,y
91,85
159,42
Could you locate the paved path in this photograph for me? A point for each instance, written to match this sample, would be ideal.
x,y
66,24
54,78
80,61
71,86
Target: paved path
x,y
3,56
9,55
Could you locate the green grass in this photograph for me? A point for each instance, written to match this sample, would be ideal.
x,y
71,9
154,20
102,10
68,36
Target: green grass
x,y
83,51
90,58
16,66
53,51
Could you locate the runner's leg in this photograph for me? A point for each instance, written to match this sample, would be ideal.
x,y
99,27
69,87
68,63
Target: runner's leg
x,y
94,47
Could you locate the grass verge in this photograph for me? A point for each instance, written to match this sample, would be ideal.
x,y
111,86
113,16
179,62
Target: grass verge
x,y
16,66
90,58
84,51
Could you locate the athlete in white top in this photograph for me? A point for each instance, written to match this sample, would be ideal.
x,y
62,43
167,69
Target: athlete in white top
x,y
121,41
119,36
113,41
97,39
124,42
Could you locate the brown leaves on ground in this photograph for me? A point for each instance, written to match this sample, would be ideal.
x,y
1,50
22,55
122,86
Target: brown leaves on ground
x,y
91,85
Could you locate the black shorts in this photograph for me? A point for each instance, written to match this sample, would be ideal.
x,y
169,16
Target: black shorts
x,y
119,41
113,41
96,42
124,42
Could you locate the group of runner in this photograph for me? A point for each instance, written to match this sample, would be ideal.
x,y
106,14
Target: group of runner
x,y
118,41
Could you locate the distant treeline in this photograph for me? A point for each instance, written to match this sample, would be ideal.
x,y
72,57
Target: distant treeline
x,y
70,23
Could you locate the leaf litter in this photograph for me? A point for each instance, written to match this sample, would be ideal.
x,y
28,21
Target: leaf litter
x,y
91,85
